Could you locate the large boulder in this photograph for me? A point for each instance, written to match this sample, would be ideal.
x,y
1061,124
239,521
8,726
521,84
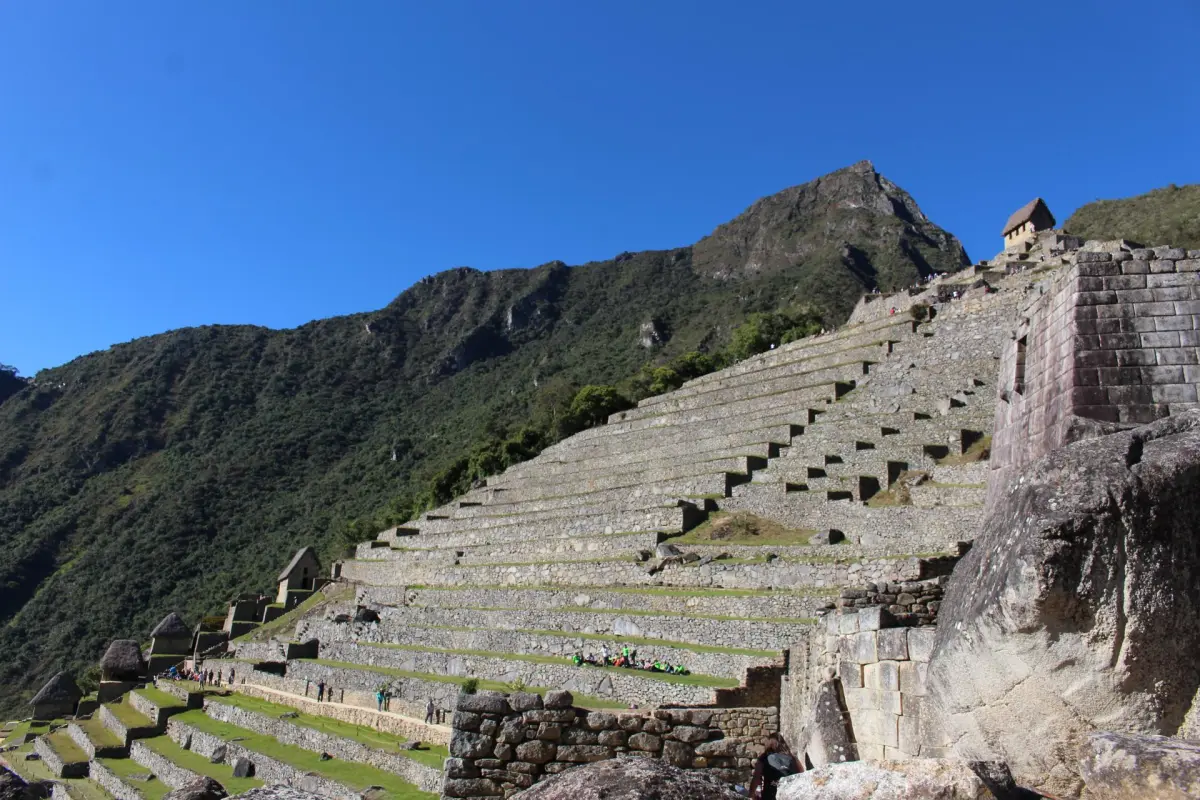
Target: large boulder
x,y
630,779
916,779
1120,767
1077,609
202,788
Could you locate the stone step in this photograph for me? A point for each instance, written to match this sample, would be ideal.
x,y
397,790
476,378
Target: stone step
x,y
785,574
649,458
731,603
722,397
628,685
126,722
778,405
555,487
594,545
900,528
61,755
723,664
497,513
351,743
845,338
585,519
286,763
790,370
756,633
96,740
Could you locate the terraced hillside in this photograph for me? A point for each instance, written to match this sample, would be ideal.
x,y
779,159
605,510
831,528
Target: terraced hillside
x,y
703,528
159,738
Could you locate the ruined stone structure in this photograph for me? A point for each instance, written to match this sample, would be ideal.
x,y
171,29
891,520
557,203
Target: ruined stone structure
x,y
1109,341
783,529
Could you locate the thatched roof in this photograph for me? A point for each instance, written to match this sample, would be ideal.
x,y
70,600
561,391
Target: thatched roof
x,y
59,689
123,661
1026,212
171,627
301,554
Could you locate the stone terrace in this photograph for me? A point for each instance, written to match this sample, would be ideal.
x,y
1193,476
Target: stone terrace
x,y
874,431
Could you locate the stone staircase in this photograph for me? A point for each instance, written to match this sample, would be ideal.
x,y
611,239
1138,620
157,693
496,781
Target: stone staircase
x,y
161,737
867,444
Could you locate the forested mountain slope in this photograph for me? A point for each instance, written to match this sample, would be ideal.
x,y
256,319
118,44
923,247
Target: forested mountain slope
x,y
1170,215
173,471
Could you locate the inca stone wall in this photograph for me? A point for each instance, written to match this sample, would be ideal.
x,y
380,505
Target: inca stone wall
x,y
504,743
1112,339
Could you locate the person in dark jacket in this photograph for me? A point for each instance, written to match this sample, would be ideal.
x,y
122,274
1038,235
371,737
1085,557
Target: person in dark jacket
x,y
775,763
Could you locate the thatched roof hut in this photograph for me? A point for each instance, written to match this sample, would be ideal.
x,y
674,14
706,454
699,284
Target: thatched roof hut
x,y
58,690
122,661
171,627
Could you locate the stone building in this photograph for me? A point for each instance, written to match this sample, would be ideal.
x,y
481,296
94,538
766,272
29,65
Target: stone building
x,y
1109,342
170,642
300,574
1026,222
57,698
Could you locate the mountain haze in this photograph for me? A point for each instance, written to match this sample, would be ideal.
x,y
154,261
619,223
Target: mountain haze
x,y
173,471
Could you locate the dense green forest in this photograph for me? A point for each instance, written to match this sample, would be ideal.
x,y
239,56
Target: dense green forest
x,y
174,471
1167,216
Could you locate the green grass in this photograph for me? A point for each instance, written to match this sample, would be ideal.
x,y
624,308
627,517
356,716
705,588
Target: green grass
x,y
187,686
653,590
31,771
66,748
20,730
86,789
160,698
352,774
276,626
686,680
979,451
637,612
646,642
584,700
168,749
133,773
99,735
130,717
431,755
743,528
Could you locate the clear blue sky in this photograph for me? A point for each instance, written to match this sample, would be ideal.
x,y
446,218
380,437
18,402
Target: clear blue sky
x,y
165,164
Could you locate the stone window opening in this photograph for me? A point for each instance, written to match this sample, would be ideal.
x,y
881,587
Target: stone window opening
x,y
1019,373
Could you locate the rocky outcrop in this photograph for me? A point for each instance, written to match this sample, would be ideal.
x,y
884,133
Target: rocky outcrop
x,y
203,788
1119,767
1078,608
918,779
629,779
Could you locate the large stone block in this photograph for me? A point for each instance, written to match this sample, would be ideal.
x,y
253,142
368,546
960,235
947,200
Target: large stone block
x,y
1078,607
645,741
465,744
875,727
874,618
536,751
912,678
893,644
584,753
918,779
1121,767
921,641
483,703
882,675
863,647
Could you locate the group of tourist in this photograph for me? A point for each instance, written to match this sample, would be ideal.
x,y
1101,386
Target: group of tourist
x,y
627,659
324,692
204,677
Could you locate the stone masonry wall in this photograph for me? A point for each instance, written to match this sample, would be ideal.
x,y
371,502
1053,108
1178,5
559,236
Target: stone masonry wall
x,y
1113,339
502,744
881,670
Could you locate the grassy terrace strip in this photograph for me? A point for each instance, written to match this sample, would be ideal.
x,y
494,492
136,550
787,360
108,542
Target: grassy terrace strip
x,y
647,642
284,621
583,700
66,748
638,612
85,789
607,560
604,637
135,775
688,680
469,547
160,698
20,730
99,735
223,773
433,755
654,590
352,774
130,717
33,771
